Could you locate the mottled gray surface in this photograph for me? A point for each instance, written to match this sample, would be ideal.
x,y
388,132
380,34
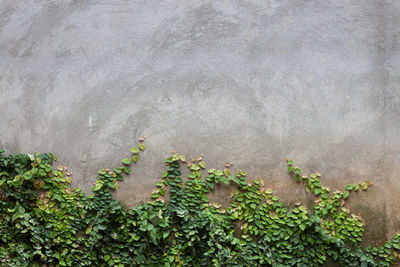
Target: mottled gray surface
x,y
251,82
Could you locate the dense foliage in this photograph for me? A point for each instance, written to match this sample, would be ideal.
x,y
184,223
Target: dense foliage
x,y
43,220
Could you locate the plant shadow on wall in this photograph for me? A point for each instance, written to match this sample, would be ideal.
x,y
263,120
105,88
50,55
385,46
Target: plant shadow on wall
x,y
45,222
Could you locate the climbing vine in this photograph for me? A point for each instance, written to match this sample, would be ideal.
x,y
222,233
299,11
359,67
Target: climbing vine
x,y
43,220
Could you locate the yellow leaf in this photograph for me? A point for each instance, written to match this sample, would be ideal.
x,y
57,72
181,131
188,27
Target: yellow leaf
x,y
227,172
202,164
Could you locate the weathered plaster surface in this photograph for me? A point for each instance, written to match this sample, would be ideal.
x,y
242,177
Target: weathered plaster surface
x,y
251,82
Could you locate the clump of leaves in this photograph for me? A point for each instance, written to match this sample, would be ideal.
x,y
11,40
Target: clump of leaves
x,y
43,220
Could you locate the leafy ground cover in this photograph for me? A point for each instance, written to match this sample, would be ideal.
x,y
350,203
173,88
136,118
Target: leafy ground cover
x,y
46,222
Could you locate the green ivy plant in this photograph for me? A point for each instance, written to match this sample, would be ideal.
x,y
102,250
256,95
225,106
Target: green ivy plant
x,y
46,222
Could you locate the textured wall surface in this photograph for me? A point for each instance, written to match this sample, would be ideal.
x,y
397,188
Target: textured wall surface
x,y
251,82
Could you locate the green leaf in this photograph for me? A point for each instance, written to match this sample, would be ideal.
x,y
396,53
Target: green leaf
x,y
135,150
218,173
136,237
127,170
126,161
317,191
142,147
135,158
98,185
194,167
269,191
205,199
290,169
202,164
88,230
165,234
211,171
346,194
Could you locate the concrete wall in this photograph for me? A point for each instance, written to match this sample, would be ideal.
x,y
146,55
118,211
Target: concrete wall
x,y
251,82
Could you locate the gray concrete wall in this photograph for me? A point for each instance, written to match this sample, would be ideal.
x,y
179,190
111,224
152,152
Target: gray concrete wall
x,y
251,82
